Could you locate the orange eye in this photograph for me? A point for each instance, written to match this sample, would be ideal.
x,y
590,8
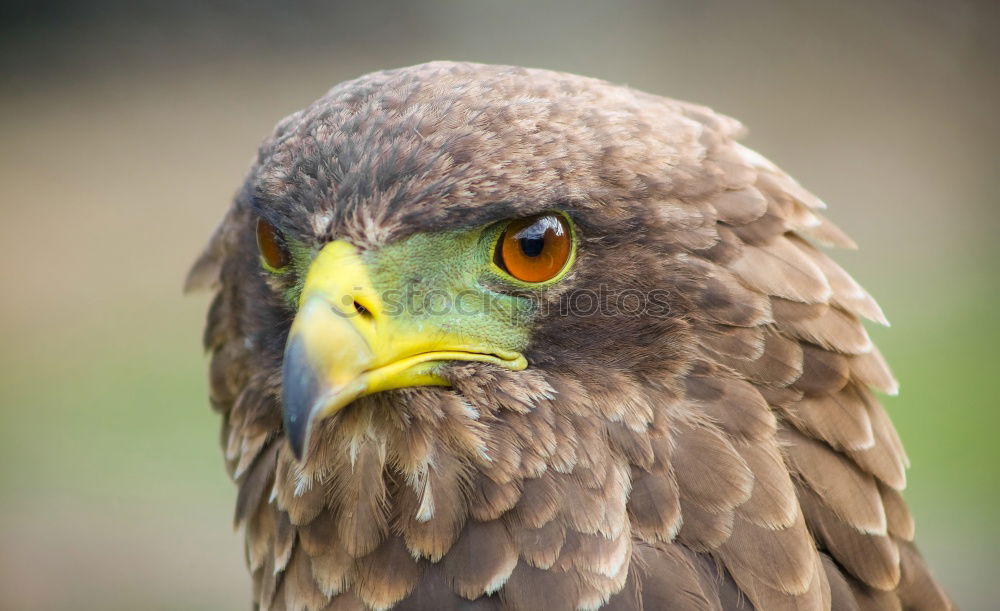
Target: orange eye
x,y
271,245
534,249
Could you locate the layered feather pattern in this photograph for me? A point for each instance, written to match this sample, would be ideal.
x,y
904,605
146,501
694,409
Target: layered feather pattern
x,y
731,454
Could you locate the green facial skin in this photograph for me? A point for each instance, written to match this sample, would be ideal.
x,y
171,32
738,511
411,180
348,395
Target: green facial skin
x,y
393,317
449,281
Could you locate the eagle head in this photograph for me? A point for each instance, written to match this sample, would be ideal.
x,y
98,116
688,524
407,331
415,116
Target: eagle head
x,y
512,338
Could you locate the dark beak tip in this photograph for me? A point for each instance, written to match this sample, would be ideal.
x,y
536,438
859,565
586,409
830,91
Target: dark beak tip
x,y
297,438
299,391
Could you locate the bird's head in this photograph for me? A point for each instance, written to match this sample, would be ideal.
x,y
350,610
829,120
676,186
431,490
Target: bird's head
x,y
484,233
487,333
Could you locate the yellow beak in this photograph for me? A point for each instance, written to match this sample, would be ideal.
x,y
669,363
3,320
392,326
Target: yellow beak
x,y
345,343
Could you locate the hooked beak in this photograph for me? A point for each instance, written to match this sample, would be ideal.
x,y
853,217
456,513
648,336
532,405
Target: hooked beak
x,y
345,343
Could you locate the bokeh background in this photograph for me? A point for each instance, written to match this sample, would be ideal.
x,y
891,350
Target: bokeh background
x,y
126,126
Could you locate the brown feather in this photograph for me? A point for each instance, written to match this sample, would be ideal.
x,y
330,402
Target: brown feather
x,y
631,445
773,181
839,419
300,590
588,510
320,536
870,599
745,343
362,496
531,589
387,575
346,602
828,234
724,300
780,398
849,492
256,485
284,541
847,293
434,592
763,230
259,537
540,547
917,588
782,270
871,369
489,500
431,534
901,525
826,326
841,596
654,507
334,571
886,459
481,559
874,559
780,365
302,502
270,580
709,471
668,577
791,564
736,406
772,503
702,530
822,371
739,206
731,167
540,500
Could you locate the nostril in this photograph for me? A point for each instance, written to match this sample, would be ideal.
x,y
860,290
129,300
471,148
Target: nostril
x,y
362,310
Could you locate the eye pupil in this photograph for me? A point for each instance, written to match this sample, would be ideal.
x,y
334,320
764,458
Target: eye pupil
x,y
532,246
271,245
534,249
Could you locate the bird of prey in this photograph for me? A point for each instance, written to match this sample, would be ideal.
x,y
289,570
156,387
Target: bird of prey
x,y
487,337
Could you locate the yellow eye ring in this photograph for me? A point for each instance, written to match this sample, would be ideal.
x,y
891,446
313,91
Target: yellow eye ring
x,y
534,249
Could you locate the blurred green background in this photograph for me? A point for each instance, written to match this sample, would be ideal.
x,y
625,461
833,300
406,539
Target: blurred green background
x,y
125,128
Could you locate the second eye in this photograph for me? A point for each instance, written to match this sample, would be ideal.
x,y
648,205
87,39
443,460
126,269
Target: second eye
x,y
271,245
